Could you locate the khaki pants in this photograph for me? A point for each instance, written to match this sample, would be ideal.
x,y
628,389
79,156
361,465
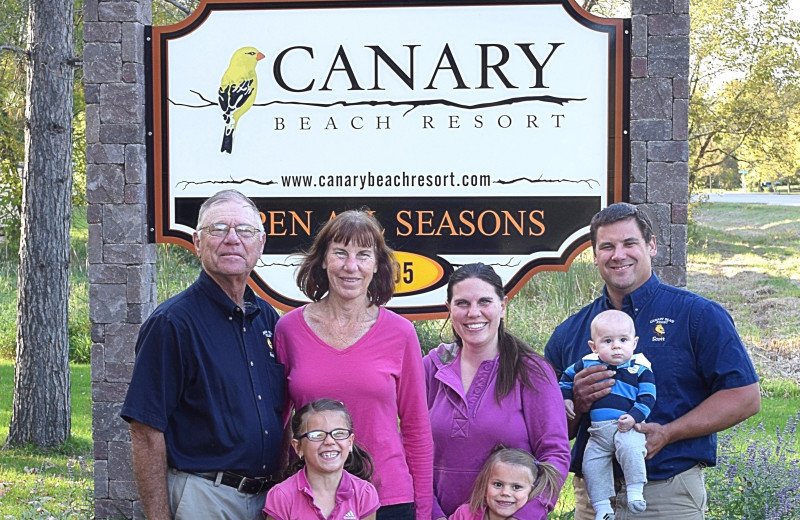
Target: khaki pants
x,y
192,497
682,497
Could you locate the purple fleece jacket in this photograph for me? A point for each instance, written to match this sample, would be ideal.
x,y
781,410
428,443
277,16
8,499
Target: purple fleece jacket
x,y
467,426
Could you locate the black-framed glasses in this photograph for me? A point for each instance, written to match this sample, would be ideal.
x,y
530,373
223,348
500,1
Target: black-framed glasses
x,y
339,434
220,230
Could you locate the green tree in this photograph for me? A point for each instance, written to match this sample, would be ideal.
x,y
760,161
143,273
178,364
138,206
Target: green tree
x,y
607,8
12,117
744,80
12,152
13,59
166,12
792,179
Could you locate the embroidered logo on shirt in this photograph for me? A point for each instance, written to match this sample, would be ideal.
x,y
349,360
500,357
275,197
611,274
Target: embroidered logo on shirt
x,y
350,515
268,336
660,328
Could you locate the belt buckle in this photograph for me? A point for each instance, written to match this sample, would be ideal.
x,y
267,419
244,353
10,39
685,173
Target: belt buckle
x,y
242,484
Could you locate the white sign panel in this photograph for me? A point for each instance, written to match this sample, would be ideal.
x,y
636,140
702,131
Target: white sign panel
x,y
474,131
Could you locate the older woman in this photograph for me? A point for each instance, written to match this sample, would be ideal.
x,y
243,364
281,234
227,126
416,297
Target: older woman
x,y
485,388
344,345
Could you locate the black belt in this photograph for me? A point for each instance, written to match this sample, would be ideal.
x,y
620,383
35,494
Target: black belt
x,y
247,485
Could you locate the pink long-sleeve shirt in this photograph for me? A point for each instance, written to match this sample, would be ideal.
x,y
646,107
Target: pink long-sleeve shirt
x,y
463,513
379,379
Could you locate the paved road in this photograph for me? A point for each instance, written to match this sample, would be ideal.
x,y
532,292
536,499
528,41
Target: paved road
x,y
773,199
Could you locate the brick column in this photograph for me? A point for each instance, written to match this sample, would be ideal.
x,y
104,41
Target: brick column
x,y
121,262
660,126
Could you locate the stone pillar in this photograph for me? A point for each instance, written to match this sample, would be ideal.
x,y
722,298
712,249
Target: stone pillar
x,y
121,262
659,128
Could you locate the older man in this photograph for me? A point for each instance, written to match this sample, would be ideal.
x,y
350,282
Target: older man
x,y
706,381
205,396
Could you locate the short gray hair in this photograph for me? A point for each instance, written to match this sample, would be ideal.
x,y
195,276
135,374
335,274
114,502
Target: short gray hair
x,y
228,196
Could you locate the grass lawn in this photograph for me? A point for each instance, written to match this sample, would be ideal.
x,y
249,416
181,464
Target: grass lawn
x,y
747,257
48,484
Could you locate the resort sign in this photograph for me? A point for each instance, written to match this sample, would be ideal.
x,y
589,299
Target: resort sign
x,y
475,131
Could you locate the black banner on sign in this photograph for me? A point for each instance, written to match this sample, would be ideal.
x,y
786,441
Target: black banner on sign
x,y
426,225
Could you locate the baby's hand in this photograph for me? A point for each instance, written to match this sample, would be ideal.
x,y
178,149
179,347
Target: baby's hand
x,y
569,406
625,422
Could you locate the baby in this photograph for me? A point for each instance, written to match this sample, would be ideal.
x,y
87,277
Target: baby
x,y
613,416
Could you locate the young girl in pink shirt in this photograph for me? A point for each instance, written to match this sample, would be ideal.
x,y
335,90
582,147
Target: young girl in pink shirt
x,y
329,479
508,479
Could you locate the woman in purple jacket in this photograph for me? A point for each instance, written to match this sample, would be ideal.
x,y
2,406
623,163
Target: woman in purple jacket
x,y
485,388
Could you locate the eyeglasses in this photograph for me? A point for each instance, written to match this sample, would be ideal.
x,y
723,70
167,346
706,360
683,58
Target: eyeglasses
x,y
220,230
339,434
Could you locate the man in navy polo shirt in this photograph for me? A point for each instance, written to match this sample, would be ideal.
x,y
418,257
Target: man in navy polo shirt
x,y
706,381
204,403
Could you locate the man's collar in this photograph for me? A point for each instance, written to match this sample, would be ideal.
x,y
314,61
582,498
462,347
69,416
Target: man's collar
x,y
634,301
218,296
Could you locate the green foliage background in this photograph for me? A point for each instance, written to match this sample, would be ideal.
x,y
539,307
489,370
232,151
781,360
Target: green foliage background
x,y
744,106
13,26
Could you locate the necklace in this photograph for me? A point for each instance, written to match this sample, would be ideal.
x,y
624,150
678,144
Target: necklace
x,y
354,329
349,333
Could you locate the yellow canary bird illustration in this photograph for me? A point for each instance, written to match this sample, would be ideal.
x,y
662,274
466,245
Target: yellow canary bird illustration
x,y
237,91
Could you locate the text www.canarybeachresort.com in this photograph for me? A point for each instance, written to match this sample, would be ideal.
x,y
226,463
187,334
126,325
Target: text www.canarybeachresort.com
x,y
396,180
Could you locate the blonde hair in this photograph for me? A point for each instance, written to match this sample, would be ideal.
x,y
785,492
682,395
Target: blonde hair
x,y
546,477
609,315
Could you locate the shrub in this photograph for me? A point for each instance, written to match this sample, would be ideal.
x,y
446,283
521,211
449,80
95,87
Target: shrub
x,y
80,341
757,477
8,310
176,269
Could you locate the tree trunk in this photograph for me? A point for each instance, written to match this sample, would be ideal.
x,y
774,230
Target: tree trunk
x,y
41,409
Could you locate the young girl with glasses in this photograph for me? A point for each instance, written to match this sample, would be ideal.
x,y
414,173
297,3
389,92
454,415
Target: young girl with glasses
x,y
330,477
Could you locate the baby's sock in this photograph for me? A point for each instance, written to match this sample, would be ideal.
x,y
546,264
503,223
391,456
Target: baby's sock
x,y
636,502
603,510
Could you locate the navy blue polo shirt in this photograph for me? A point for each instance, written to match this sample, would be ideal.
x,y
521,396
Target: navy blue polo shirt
x,y
206,375
694,351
